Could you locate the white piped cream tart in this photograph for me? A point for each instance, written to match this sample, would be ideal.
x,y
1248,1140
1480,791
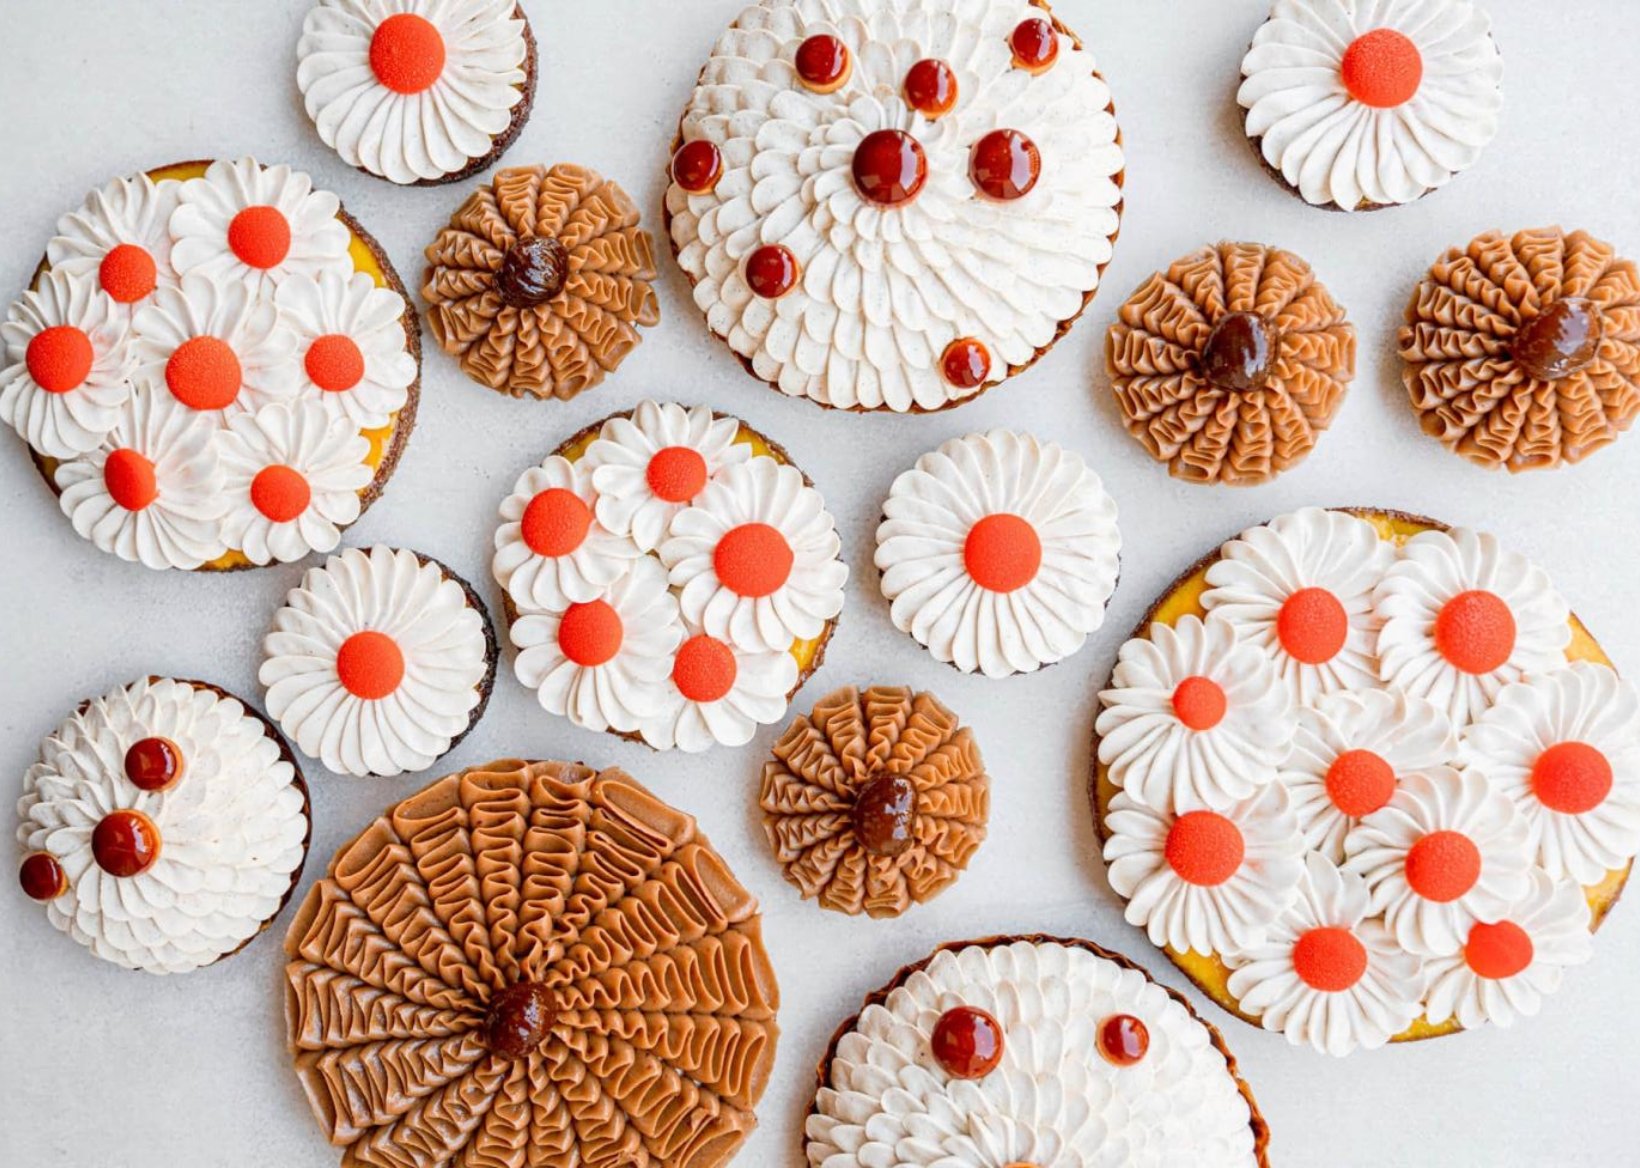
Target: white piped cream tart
x,y
1435,806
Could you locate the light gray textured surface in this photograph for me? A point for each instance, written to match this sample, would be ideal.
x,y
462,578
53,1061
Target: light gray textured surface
x,y
106,1069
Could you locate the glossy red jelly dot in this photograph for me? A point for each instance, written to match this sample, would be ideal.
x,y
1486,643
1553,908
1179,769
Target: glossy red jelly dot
x,y
519,1019
771,271
1035,44
1005,165
1123,1040
890,168
153,764
1240,353
125,843
967,1042
697,166
931,88
823,63
885,815
42,877
966,363
1562,340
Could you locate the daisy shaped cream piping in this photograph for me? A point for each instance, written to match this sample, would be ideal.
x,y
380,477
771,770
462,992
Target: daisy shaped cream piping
x,y
1347,753
998,552
719,694
1328,975
292,480
350,346
120,238
756,558
65,360
1507,967
649,467
1445,852
214,346
253,225
377,662
1193,718
1361,103
1206,881
1300,588
1565,747
550,550
604,663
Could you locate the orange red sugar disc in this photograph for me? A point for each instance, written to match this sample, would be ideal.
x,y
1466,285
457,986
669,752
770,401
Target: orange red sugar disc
x,y
1382,68
753,560
555,522
204,374
1002,553
590,634
407,53
59,358
704,670
1312,626
370,665
1475,632
1204,848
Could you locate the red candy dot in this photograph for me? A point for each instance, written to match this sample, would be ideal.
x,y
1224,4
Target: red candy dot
x,y
1382,69
280,493
1330,959
1360,782
59,358
1005,165
1002,553
556,522
1497,951
1204,848
129,479
1443,866
966,363
407,53
127,273
260,236
1475,632
1312,626
676,474
1123,1040
1200,703
704,670
125,843
590,634
334,363
823,63
1035,45
931,88
697,166
1572,778
153,764
771,271
753,560
889,168
42,877
204,373
967,1042
370,665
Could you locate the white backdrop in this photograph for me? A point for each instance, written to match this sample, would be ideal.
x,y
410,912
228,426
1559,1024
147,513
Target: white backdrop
x,y
107,1069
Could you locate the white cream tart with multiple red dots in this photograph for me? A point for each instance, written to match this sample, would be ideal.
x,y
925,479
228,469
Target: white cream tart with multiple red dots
x,y
998,552
163,826
1356,769
895,204
669,575
379,662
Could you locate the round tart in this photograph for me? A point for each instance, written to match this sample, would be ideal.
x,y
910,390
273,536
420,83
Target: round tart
x,y
891,205
164,825
1228,366
668,575
1355,105
418,92
1367,794
1521,352
530,963
216,367
1014,1052
380,661
875,801
541,280
998,552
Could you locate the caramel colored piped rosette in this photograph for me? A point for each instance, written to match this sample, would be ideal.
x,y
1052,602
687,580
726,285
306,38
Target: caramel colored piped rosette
x,y
1030,1052
875,800
1230,365
216,367
531,963
668,575
1523,352
1365,778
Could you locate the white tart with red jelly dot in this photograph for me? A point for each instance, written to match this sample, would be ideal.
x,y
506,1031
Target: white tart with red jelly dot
x,y
415,90
1328,975
1300,588
756,558
378,662
152,492
718,694
1206,881
998,552
1053,1098
1507,967
350,347
649,467
938,227
604,663
1446,851
1363,103
1462,618
1565,746
120,239
162,827
1192,719
219,348
551,551
1348,753
251,225
65,359
292,481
